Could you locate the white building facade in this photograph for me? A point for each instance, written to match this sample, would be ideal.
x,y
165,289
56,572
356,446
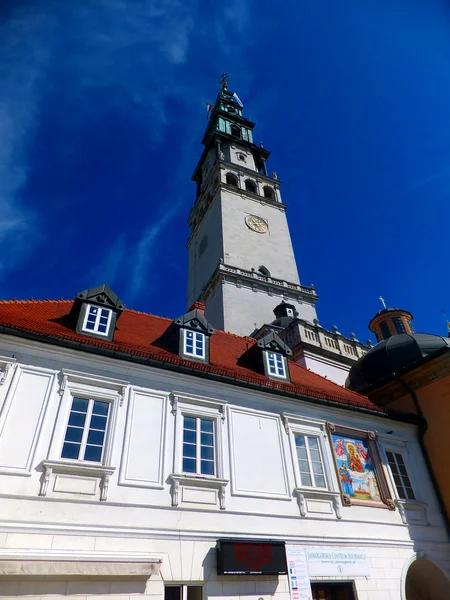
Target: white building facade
x,y
135,524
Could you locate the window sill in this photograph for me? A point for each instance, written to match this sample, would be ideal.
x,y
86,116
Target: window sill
x,y
198,481
412,512
310,499
76,468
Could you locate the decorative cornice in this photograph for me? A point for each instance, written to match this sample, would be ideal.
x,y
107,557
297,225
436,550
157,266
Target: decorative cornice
x,y
256,281
198,481
6,363
76,468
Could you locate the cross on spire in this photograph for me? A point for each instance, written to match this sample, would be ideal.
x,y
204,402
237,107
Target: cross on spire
x,y
224,82
381,299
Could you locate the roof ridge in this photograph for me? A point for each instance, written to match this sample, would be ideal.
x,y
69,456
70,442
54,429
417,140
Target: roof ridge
x,y
34,301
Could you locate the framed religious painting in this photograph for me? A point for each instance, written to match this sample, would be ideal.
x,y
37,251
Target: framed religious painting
x,y
358,467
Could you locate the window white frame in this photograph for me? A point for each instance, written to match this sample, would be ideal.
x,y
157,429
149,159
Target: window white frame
x,y
397,452
97,319
278,368
308,443
86,429
90,387
197,336
312,428
201,407
199,420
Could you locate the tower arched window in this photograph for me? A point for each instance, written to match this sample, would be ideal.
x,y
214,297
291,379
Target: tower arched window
x,y
262,270
231,179
235,131
268,192
250,186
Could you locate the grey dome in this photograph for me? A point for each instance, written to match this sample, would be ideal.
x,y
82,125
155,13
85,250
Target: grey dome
x,y
391,356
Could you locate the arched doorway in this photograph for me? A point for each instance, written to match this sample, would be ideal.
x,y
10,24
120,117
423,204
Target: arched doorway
x,y
425,581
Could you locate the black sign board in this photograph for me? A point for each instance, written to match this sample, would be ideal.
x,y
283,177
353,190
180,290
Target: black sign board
x,y
250,557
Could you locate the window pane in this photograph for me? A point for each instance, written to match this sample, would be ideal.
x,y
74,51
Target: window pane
x,y
96,437
304,466
101,328
172,592
190,423
301,453
80,405
410,493
100,408
207,452
313,443
77,419
98,423
90,325
206,426
320,481
317,468
74,434
189,436
189,465
189,450
93,453
206,439
70,450
299,440
194,592
207,467
314,454
306,479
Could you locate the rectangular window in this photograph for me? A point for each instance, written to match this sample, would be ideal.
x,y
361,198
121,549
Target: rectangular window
x,y
194,343
97,320
198,446
183,592
276,365
86,429
310,462
410,325
385,332
401,479
399,325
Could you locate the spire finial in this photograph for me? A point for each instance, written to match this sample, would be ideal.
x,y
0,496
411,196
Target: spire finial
x,y
224,82
381,299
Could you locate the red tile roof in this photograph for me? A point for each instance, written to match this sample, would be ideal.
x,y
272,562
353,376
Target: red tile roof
x,y
137,334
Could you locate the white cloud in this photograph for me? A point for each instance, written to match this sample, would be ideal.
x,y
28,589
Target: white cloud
x,y
24,59
135,48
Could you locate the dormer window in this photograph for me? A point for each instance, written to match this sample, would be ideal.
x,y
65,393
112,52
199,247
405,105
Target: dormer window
x,y
194,343
276,365
96,311
189,335
269,357
97,320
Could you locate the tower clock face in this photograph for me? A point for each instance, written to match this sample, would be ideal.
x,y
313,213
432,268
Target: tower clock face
x,y
256,223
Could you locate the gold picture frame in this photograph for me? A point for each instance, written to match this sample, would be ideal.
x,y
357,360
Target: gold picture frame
x,y
358,467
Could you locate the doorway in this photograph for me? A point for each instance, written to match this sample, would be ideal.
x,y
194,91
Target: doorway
x,y
425,581
333,591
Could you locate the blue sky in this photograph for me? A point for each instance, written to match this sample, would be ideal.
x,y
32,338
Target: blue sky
x,y
102,109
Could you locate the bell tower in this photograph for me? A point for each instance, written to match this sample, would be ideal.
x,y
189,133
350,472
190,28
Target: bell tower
x,y
241,261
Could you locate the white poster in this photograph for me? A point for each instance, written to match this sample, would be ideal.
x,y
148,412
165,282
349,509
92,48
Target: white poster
x,y
332,562
299,584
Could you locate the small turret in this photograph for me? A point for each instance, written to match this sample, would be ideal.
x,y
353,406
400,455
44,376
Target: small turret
x,y
391,321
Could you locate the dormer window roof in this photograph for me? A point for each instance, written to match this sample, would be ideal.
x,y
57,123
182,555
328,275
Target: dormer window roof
x,y
190,333
275,353
269,356
96,311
